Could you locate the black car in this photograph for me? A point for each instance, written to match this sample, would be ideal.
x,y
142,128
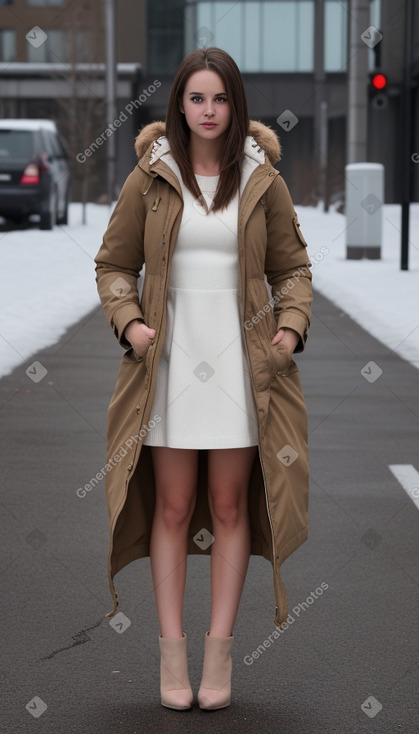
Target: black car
x,y
34,172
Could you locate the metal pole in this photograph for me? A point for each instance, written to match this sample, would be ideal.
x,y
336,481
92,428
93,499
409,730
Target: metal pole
x,y
324,148
357,82
320,109
406,109
110,94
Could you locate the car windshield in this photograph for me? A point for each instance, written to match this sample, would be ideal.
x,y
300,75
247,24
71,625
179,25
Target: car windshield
x,y
16,144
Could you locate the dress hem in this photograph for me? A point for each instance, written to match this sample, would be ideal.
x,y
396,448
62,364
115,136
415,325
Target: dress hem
x,y
192,444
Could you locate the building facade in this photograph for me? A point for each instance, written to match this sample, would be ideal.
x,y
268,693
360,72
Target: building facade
x,y
292,55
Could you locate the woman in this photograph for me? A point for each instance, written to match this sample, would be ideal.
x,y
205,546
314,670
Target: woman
x,y
207,434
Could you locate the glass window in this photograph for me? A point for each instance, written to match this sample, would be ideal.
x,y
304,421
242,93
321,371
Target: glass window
x,y
335,35
288,35
375,20
60,47
228,28
375,13
51,50
271,36
165,40
7,45
46,2
83,46
16,144
252,41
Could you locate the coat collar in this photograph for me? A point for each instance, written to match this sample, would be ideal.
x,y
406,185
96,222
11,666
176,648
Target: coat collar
x,y
161,149
262,148
260,143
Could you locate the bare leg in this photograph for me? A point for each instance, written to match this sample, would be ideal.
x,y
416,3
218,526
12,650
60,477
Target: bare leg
x,y
176,477
228,481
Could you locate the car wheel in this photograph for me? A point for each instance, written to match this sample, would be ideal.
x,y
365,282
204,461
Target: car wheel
x,y
48,219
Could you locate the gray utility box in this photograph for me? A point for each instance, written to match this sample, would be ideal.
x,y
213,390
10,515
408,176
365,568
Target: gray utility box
x,y
364,210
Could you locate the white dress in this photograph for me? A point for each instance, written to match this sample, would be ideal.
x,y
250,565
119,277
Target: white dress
x,y
203,391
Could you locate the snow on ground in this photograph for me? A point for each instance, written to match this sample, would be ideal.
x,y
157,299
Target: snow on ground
x,y
47,283
47,280
379,296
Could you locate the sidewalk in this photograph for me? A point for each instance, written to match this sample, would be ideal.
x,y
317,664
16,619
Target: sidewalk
x,y
56,286
348,660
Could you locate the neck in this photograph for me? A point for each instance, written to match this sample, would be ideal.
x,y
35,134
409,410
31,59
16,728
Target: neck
x,y
205,155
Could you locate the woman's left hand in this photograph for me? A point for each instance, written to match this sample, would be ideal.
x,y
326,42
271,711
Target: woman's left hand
x,y
288,338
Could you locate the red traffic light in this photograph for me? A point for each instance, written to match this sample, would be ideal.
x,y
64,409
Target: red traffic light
x,y
379,81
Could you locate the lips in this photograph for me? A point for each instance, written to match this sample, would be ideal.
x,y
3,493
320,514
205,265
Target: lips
x,y
209,125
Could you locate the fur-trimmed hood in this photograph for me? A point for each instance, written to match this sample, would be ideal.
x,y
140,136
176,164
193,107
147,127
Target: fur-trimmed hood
x,y
265,140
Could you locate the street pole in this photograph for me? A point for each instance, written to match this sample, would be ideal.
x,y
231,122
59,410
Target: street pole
x,y
320,105
324,148
357,82
110,94
406,110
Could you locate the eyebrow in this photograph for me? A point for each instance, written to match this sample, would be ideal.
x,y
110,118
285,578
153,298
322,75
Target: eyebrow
x,y
215,95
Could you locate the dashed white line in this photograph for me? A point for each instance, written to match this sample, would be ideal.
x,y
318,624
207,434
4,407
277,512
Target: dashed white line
x,y
408,477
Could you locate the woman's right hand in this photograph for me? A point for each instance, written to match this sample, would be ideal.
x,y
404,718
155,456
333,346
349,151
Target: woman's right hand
x,y
139,336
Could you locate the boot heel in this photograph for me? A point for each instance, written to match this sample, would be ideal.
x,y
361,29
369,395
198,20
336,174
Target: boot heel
x,y
175,688
215,689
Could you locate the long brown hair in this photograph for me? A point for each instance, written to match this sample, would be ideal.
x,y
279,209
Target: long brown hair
x,y
178,132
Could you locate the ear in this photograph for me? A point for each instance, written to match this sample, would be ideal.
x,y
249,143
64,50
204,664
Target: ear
x,y
181,108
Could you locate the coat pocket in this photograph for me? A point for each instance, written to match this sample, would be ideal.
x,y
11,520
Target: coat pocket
x,y
281,359
298,231
132,356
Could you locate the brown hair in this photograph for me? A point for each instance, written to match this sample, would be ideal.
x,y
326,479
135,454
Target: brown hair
x,y
177,129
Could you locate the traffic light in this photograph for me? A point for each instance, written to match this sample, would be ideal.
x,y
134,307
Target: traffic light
x,y
378,80
378,90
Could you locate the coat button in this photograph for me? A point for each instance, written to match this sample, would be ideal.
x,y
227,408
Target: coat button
x,y
271,173
137,408
129,467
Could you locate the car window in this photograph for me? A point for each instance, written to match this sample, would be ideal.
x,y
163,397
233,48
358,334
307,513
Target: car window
x,y
62,153
48,143
16,144
54,145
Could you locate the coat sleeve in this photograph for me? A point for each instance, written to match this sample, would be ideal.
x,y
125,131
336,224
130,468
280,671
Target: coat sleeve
x,y
121,257
287,266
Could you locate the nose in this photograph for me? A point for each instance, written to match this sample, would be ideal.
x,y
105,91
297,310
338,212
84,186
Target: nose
x,y
209,112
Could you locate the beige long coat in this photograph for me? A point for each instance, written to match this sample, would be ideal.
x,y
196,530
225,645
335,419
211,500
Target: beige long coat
x,y
143,229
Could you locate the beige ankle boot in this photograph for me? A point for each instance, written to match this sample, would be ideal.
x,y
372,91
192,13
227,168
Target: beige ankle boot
x,y
215,688
175,688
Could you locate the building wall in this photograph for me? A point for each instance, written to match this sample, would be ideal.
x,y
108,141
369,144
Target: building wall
x,y
131,31
69,18
279,74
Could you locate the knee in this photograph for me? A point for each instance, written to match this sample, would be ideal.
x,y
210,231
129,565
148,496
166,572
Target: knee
x,y
174,513
226,511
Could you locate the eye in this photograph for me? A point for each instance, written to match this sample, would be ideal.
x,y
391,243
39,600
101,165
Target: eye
x,y
194,98
223,99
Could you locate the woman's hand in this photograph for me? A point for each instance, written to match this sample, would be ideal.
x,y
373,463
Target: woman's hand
x,y
139,336
288,338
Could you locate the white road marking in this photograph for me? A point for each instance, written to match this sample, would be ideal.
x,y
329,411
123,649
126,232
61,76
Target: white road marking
x,y
408,477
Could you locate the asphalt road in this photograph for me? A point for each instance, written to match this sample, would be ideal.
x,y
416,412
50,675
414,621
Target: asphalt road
x,y
348,661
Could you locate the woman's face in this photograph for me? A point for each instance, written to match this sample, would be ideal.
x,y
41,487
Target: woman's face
x,y
205,101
